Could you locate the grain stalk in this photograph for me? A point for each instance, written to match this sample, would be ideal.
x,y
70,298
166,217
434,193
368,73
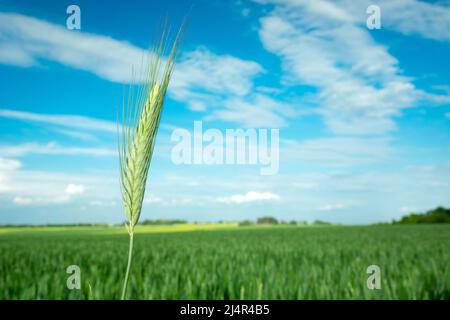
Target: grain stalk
x,y
141,116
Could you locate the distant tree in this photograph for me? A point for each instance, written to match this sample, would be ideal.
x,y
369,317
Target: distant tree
x,y
293,222
245,223
320,222
438,215
163,222
267,220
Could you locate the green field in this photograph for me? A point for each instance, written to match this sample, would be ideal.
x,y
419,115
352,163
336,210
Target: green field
x,y
228,262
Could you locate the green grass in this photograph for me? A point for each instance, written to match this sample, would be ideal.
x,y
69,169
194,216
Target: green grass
x,y
228,262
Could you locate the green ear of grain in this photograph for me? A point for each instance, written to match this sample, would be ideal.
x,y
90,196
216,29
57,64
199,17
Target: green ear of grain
x,y
137,158
141,116
140,121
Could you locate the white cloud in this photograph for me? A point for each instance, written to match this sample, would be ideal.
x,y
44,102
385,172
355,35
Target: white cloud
x,y
223,85
412,17
26,187
9,164
250,196
70,191
78,135
7,168
151,198
41,201
67,121
203,80
255,111
302,191
361,88
199,70
22,201
331,207
73,189
102,203
204,71
53,148
409,17
30,39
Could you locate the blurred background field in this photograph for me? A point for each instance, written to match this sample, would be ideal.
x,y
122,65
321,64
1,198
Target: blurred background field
x,y
224,261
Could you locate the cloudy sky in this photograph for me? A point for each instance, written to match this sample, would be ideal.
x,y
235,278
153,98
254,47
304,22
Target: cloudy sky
x,y
364,115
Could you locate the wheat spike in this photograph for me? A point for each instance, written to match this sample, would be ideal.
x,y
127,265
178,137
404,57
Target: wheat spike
x,y
141,116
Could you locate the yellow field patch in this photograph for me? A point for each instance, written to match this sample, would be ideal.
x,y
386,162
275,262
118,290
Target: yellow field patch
x,y
140,229
184,227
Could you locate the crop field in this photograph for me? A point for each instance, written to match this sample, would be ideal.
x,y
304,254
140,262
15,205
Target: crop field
x,y
228,262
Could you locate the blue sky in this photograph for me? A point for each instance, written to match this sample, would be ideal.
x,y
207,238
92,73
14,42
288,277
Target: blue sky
x,y
364,115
